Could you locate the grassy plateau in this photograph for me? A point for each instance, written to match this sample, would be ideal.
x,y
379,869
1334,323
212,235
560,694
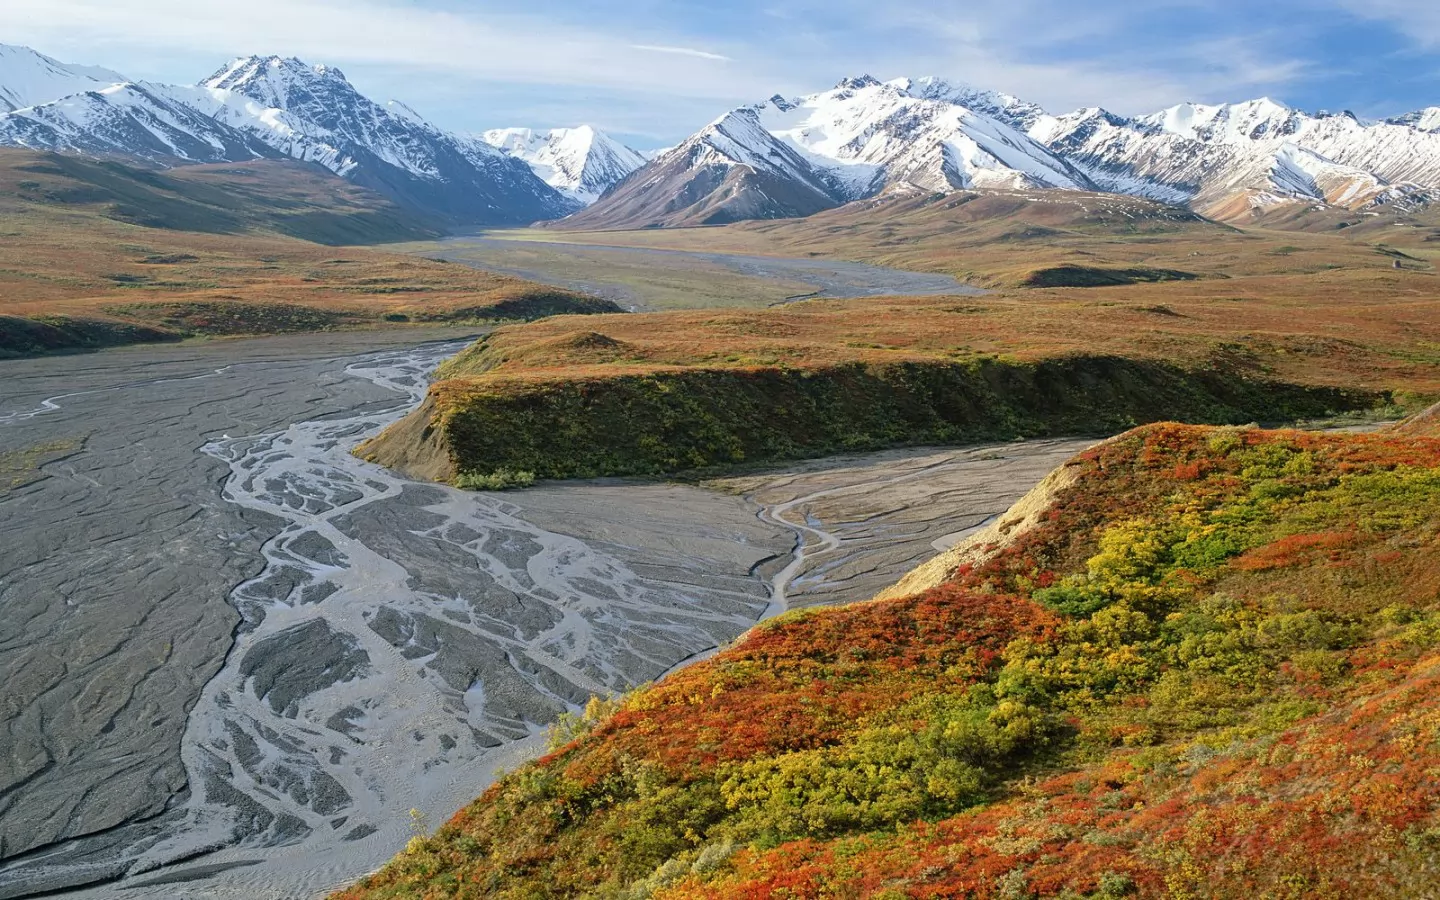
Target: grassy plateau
x,y
668,392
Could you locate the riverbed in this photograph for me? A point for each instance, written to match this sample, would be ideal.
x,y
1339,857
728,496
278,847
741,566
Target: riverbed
x,y
236,656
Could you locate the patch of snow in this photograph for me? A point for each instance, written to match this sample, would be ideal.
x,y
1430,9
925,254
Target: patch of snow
x,y
581,162
29,79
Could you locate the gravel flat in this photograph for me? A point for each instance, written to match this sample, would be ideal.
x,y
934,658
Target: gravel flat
x,y
605,270
235,656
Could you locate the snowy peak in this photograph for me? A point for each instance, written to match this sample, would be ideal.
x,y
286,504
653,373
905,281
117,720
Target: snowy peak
x,y
277,82
1228,123
1427,120
858,83
582,163
870,134
795,156
1013,111
313,112
28,78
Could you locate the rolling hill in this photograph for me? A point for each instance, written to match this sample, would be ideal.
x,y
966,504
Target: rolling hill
x,y
95,253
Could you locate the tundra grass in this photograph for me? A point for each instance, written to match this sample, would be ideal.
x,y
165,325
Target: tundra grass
x,y
97,254
21,467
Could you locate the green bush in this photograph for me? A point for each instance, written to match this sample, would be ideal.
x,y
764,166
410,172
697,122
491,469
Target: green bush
x,y
499,480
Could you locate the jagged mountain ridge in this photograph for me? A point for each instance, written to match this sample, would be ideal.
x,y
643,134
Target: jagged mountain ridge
x,y
582,162
786,157
780,158
1259,152
28,78
269,107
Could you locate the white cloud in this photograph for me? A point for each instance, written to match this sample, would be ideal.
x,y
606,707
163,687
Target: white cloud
x,y
492,46
681,51
1418,20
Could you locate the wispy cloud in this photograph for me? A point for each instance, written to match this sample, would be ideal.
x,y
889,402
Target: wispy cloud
x,y
681,51
511,47
1418,20
653,64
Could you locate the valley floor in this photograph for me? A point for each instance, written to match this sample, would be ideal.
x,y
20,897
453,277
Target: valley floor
x,y
644,279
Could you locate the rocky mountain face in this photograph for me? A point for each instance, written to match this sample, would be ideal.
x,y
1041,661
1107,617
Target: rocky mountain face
x,y
313,112
269,107
581,163
156,123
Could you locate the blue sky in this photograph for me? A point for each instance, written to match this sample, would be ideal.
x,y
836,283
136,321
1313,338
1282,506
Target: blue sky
x,y
655,70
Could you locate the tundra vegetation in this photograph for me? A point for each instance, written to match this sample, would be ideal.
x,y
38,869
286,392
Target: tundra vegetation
x,y
96,254
1212,669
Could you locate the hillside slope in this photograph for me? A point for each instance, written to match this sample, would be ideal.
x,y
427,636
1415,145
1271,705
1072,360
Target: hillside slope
x,y
1209,668
97,253
271,196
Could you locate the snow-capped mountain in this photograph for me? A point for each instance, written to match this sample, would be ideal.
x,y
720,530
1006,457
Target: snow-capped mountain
x,y
157,123
28,78
314,113
780,158
581,163
1013,111
795,157
268,107
1260,150
1427,119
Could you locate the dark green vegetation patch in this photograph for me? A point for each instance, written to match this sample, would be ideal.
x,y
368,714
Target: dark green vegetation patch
x,y
1095,276
49,334
697,419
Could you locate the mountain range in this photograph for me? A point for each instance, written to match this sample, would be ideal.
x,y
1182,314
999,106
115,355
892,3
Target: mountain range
x,y
256,108
863,138
784,157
